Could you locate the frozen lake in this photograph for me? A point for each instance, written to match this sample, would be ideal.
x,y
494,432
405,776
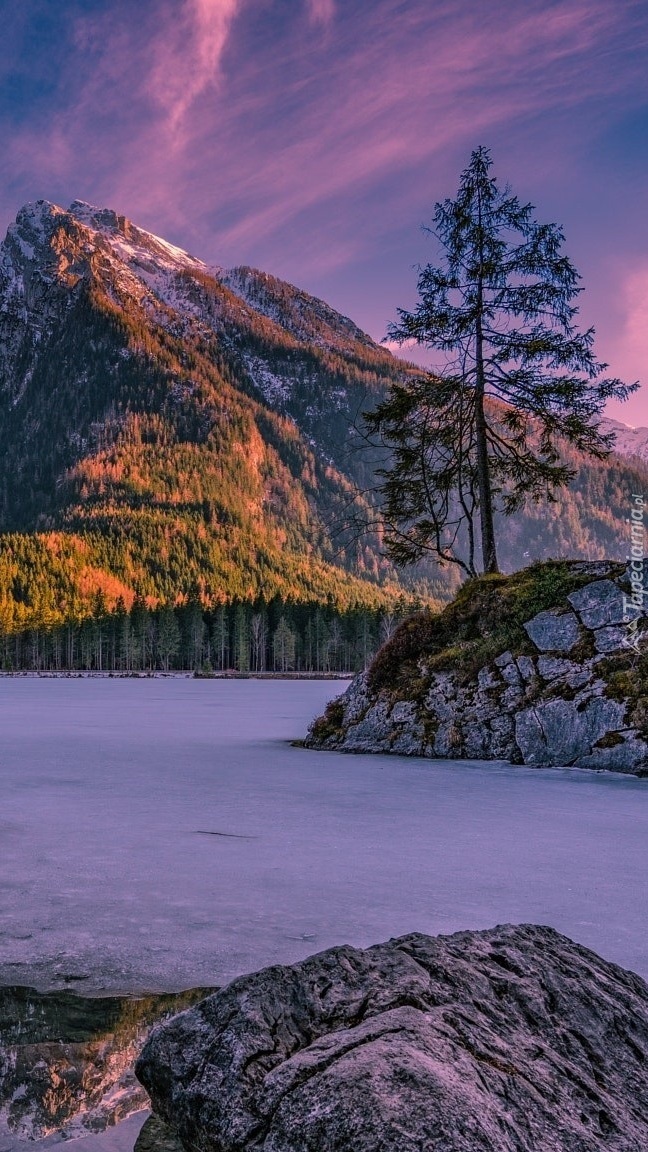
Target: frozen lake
x,y
112,876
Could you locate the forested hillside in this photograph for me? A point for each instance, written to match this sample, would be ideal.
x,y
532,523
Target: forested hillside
x,y
139,453
173,433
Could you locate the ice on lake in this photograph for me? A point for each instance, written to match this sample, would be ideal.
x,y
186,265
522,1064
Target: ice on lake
x,y
162,833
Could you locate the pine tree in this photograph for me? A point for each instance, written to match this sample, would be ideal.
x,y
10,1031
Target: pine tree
x,y
220,638
284,647
258,640
519,379
124,637
194,628
335,659
168,637
241,639
139,634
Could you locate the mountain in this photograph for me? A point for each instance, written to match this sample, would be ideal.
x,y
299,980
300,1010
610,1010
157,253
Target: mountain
x,y
628,441
168,429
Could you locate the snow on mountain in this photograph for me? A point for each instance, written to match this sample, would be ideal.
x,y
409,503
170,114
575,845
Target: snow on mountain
x,y
88,300
145,392
48,243
306,316
49,249
132,243
628,441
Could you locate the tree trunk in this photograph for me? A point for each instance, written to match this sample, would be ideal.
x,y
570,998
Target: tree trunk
x,y
489,550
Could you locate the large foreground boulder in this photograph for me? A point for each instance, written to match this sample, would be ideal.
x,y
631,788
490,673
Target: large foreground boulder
x,y
509,1040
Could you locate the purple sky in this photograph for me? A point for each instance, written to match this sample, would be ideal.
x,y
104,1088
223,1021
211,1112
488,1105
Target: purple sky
x,y
311,138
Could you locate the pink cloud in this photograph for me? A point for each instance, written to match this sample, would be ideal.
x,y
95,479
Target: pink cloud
x,y
399,98
626,345
321,11
172,129
186,55
304,144
635,332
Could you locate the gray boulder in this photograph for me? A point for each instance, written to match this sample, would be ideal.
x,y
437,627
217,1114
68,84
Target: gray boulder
x,y
558,732
553,631
599,604
610,639
509,1040
551,667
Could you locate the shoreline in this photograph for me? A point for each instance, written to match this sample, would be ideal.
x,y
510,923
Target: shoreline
x,y
89,674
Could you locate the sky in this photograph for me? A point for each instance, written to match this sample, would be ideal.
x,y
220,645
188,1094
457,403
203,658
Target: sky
x,y
311,138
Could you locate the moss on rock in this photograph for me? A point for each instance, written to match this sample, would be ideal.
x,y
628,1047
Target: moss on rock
x,y
486,618
626,677
331,724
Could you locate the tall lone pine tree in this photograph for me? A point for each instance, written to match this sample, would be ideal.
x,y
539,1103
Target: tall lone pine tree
x,y
519,379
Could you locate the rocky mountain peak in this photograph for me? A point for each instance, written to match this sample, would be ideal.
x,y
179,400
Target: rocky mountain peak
x,y
50,251
28,238
132,244
49,241
628,441
131,373
36,220
121,353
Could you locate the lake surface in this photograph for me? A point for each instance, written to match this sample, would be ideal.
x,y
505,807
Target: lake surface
x,y
112,876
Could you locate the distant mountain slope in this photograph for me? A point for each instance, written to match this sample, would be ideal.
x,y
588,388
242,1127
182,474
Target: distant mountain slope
x,y
168,428
629,441
134,412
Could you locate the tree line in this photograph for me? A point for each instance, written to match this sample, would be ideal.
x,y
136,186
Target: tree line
x,y
239,637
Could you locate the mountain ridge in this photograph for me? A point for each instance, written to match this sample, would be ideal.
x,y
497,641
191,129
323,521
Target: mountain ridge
x,y
628,440
168,429
129,414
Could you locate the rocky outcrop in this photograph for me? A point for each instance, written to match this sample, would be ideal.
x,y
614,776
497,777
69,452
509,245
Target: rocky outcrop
x,y
509,1040
567,686
66,1061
